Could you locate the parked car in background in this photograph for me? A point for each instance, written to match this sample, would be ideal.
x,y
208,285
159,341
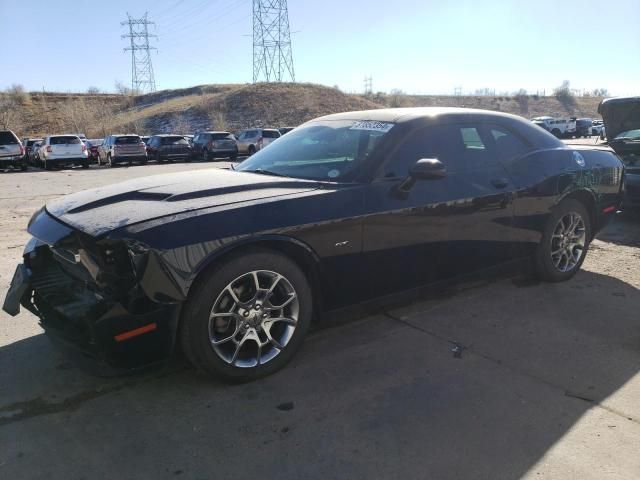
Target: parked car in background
x,y
189,138
62,151
28,144
122,149
232,266
92,148
285,130
210,145
162,148
33,158
621,118
559,127
597,128
255,139
584,127
11,151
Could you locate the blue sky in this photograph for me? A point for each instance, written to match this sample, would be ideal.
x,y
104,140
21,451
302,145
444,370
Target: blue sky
x,y
419,46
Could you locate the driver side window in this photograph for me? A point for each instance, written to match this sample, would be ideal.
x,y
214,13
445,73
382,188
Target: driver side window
x,y
419,144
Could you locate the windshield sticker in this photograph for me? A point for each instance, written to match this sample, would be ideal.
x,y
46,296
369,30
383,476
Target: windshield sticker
x,y
333,174
372,126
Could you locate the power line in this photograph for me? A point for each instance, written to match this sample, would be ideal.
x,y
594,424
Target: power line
x,y
272,55
142,78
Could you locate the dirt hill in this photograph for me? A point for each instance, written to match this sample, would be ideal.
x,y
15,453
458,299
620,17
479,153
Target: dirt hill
x,y
233,107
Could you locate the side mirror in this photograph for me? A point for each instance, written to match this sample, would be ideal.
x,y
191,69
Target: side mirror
x,y
424,169
428,169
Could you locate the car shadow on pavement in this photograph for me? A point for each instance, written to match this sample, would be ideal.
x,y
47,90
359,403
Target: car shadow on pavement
x,y
624,230
483,384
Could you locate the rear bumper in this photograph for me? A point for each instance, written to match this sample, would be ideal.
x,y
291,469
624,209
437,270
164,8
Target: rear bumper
x,y
128,158
12,161
66,160
224,152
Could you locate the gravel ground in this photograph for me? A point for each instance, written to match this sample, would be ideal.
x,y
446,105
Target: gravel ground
x,y
502,379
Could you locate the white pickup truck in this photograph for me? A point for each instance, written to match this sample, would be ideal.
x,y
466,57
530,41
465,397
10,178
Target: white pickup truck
x,y
560,127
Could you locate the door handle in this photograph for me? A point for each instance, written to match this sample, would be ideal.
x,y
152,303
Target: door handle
x,y
500,183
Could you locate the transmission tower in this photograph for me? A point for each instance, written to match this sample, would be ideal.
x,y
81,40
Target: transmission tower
x,y
272,56
142,79
368,85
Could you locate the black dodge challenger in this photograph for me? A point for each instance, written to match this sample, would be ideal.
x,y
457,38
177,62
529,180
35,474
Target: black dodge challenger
x,y
233,265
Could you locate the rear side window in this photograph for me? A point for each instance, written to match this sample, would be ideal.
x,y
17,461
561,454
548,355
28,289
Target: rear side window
x,y
8,138
507,145
66,140
271,134
127,140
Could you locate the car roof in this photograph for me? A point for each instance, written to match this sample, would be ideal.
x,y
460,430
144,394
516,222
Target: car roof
x,y
401,115
216,133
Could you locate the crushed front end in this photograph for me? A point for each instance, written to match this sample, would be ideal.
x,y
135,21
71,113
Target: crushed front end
x,y
91,296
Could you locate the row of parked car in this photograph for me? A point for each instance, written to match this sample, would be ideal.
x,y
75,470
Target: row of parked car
x,y
571,127
56,151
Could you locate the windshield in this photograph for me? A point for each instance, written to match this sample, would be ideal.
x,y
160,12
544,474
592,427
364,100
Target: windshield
x,y
327,151
629,135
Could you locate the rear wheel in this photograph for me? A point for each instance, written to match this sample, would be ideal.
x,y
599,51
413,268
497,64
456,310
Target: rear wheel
x,y
565,242
251,150
248,317
205,155
110,164
23,167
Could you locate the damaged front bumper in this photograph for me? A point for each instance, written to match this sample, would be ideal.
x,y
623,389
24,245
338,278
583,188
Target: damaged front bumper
x,y
89,298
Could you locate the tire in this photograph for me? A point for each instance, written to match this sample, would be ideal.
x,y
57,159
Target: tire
x,y
233,158
210,292
563,267
110,164
251,150
47,166
23,167
85,164
556,133
205,155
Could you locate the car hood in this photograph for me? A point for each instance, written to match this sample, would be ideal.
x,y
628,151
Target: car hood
x,y
102,210
620,115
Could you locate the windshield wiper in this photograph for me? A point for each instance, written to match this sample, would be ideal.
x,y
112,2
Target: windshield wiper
x,y
261,171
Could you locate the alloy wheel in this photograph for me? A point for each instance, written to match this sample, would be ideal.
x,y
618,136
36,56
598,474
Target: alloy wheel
x,y
254,318
568,242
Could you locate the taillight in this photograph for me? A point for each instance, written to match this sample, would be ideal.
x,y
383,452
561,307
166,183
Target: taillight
x,y
22,150
49,149
84,147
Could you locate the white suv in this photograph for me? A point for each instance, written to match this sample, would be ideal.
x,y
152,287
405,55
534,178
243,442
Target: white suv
x,y
62,150
11,151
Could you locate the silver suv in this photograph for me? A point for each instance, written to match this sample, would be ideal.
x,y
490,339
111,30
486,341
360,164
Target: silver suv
x,y
255,139
122,149
11,151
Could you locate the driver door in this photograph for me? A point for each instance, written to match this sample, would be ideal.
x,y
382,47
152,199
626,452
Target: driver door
x,y
438,228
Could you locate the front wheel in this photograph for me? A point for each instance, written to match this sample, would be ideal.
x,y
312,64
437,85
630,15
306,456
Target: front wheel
x,y
246,318
565,242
